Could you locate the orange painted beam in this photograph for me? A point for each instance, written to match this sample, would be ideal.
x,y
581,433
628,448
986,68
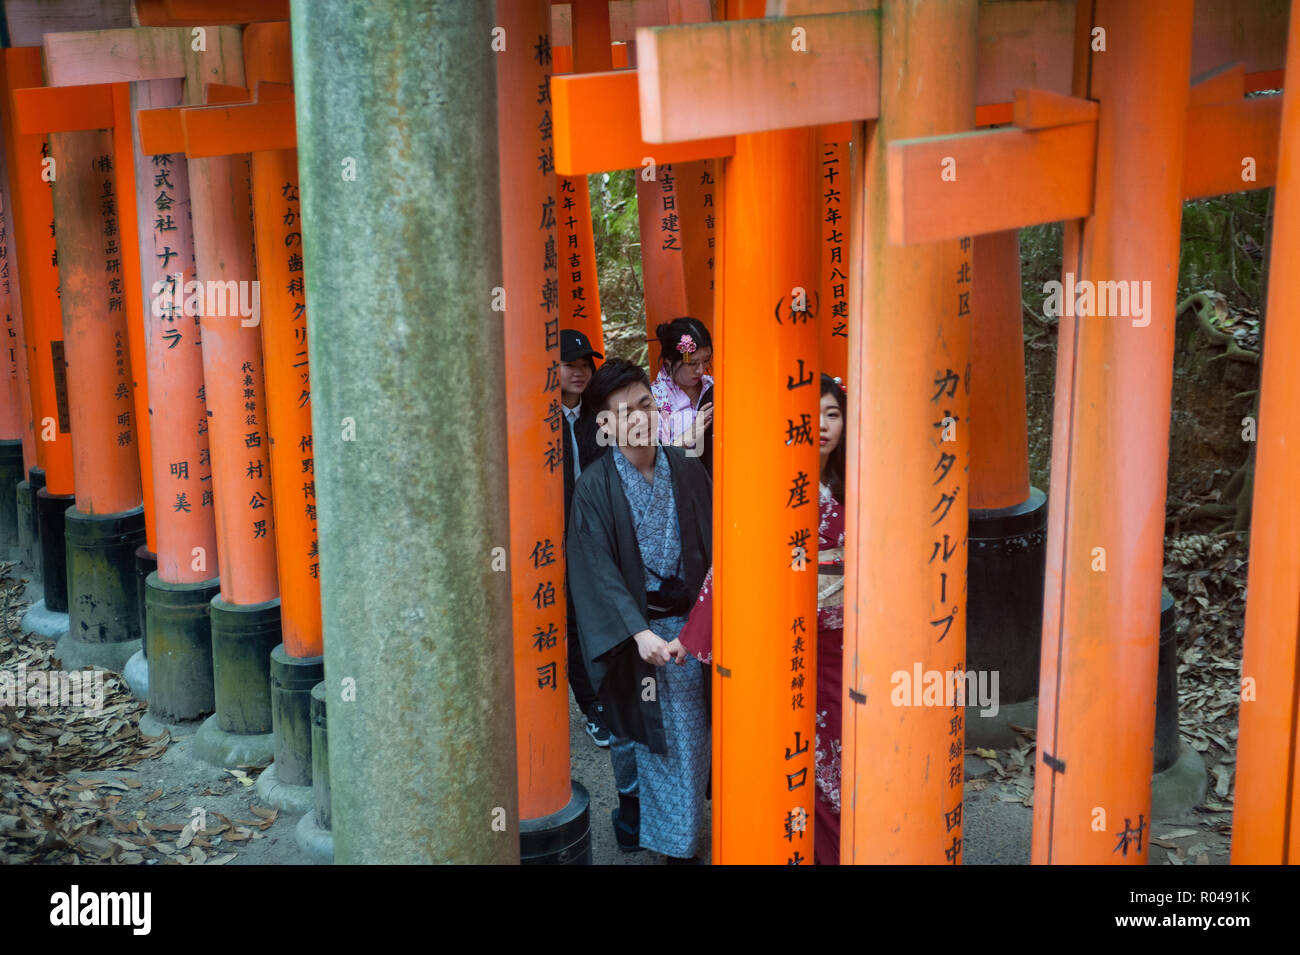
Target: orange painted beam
x,y
713,80
1223,85
598,127
988,181
1266,814
1039,109
908,452
210,131
1110,451
52,109
181,13
162,131
533,420
1228,142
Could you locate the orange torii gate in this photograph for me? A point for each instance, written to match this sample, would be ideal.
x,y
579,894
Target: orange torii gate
x,y
1110,448
747,95
51,481
265,129
245,617
103,342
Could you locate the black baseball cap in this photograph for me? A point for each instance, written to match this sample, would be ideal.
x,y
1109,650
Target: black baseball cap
x,y
575,345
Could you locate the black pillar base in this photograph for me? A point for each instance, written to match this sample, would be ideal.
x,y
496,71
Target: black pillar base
x,y
146,562
243,636
54,552
1167,687
180,648
103,602
11,475
1004,623
562,838
36,479
291,681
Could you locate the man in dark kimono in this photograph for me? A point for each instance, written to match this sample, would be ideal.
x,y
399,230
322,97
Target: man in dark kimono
x,y
639,546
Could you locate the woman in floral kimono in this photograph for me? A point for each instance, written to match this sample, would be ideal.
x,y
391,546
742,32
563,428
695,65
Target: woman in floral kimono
x,y
696,637
685,357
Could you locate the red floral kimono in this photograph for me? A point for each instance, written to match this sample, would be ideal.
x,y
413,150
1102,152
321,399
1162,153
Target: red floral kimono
x,y
697,638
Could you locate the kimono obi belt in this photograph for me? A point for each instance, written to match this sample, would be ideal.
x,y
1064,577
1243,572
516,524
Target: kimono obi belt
x,y
830,577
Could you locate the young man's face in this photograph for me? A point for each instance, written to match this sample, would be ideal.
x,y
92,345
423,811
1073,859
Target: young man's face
x,y
630,417
574,377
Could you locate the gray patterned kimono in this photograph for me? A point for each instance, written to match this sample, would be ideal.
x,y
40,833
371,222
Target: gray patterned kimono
x,y
672,785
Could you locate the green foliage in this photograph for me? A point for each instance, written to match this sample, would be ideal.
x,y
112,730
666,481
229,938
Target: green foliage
x,y
618,254
1224,238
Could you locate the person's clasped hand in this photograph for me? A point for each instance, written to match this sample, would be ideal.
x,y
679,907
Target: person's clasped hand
x,y
653,648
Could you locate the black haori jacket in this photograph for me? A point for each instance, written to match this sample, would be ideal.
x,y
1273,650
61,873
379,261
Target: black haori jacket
x,y
607,581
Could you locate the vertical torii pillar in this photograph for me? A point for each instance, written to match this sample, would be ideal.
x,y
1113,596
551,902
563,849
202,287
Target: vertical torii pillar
x,y
1110,449
417,627
177,676
1008,518
908,480
104,529
16,446
245,616
831,212
554,815
33,216
1266,816
265,130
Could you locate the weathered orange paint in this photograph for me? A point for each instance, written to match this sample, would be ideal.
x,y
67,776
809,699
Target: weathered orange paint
x,y
94,230
1110,447
999,443
181,465
33,213
1266,814
533,420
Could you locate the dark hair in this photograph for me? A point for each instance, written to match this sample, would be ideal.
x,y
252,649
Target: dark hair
x,y
615,375
669,334
833,473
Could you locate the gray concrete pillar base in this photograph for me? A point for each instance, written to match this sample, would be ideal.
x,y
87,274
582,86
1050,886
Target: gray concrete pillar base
x,y
314,840
180,649
563,837
229,750
281,795
292,679
44,624
75,653
136,675
1181,787
24,499
994,731
151,725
